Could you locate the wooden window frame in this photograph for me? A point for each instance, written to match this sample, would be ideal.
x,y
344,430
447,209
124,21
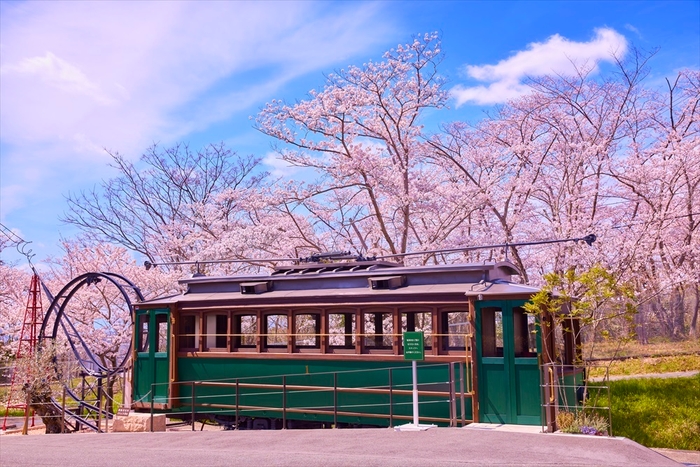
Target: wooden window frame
x,y
206,334
237,332
275,348
382,349
347,348
315,348
444,330
181,333
430,311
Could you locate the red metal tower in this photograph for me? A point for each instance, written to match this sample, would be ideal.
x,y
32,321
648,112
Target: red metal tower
x,y
33,316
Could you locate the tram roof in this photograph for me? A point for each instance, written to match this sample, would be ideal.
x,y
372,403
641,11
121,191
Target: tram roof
x,y
340,282
487,290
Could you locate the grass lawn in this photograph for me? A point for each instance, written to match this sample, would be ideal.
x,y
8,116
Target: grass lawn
x,y
645,365
610,349
659,413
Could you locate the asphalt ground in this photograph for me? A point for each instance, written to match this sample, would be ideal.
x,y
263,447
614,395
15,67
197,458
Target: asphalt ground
x,y
344,447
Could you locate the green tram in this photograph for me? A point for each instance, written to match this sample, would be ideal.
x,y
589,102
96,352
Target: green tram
x,y
320,344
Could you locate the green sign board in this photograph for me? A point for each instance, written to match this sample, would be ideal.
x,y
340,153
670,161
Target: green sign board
x,y
413,347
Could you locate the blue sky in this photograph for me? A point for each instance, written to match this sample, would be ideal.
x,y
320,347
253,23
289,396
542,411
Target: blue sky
x,y
78,77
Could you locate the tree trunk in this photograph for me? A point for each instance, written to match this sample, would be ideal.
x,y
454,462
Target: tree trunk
x,y
696,309
40,401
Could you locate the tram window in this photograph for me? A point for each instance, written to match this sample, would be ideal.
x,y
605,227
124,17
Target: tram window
x,y
419,321
491,332
456,325
246,330
216,330
379,330
189,332
524,334
162,329
341,330
276,330
307,328
143,333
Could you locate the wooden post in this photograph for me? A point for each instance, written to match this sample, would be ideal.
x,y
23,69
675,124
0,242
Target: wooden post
x,y
359,331
323,327
548,346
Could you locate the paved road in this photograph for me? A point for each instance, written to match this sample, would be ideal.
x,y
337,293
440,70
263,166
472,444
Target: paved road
x,y
362,447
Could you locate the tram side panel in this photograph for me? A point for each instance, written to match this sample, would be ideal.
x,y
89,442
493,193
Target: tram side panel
x,y
362,392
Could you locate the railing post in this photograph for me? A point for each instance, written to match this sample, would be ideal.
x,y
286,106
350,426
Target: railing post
x,y
461,390
391,399
335,400
607,386
99,405
453,398
237,402
63,411
153,398
284,402
82,394
193,399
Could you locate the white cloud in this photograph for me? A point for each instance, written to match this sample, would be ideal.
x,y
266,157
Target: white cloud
x,y
278,167
77,77
635,30
557,55
57,73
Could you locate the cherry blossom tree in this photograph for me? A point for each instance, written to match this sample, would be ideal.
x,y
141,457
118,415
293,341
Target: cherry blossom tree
x,y
659,181
14,288
584,153
149,204
98,311
263,226
363,135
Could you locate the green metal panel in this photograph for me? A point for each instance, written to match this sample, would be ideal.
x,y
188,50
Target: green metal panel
x,y
310,372
528,398
152,356
508,385
143,365
160,354
495,400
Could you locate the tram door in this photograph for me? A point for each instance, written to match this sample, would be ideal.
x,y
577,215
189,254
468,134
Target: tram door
x,y
152,356
508,372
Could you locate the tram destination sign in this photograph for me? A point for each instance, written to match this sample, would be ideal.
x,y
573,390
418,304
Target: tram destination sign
x,y
413,347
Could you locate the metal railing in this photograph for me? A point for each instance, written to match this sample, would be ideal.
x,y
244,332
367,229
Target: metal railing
x,y
570,398
273,396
